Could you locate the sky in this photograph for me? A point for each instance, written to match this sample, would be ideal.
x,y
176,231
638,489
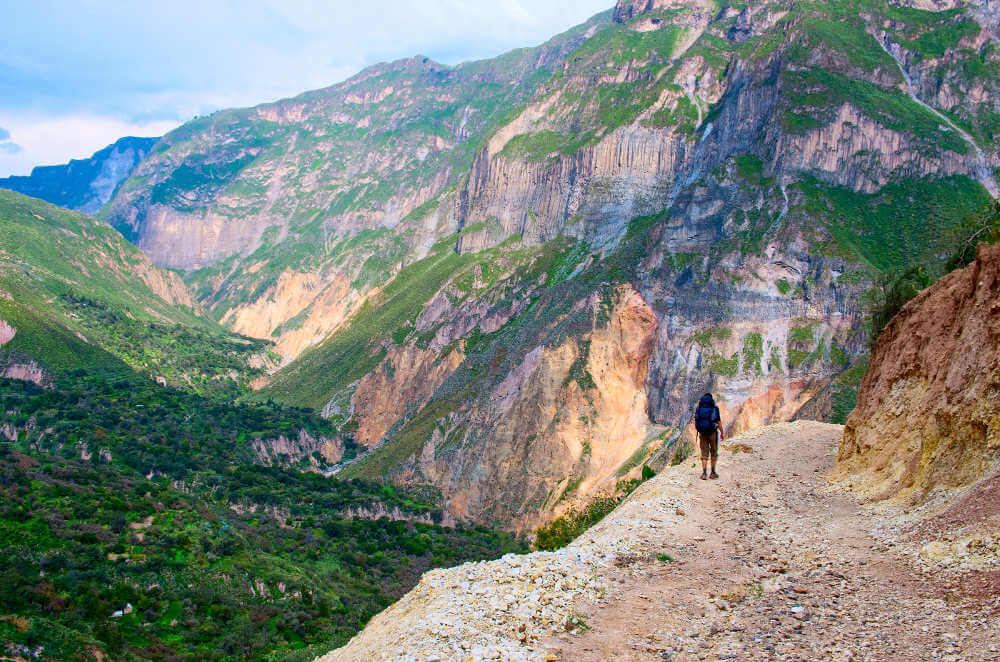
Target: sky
x,y
77,75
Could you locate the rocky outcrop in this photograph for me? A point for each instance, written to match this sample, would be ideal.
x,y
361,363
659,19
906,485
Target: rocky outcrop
x,y
86,184
404,381
165,284
928,410
340,183
299,311
6,333
293,212
557,429
318,453
25,370
626,10
379,511
16,365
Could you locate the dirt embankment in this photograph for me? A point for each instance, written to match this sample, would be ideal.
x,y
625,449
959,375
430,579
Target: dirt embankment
x,y
923,446
928,410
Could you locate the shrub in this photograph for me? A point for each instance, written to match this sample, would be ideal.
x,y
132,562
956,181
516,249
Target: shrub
x,y
983,227
563,530
892,290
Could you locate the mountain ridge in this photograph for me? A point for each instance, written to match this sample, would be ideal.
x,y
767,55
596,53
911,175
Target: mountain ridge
x,y
739,171
84,185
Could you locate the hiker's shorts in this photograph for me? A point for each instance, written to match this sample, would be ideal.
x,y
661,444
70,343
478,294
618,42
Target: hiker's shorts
x,y
709,444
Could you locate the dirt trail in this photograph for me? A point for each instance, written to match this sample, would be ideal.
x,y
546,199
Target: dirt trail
x,y
769,563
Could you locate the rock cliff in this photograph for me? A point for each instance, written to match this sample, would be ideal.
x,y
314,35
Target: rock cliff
x,y
512,278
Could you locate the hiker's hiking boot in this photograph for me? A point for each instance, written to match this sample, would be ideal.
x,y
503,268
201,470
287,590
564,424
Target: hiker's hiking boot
x,y
704,476
714,475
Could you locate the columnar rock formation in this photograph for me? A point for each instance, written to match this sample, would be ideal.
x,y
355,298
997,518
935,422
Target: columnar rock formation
x,y
512,278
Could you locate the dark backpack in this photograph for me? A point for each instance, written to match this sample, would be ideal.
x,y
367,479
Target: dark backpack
x,y
704,419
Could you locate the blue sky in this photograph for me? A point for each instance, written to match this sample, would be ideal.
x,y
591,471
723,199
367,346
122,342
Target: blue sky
x,y
76,75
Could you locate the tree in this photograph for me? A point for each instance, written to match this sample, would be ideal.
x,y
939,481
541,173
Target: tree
x,y
982,227
893,290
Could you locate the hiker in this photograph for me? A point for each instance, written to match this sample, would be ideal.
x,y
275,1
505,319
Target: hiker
x,y
708,423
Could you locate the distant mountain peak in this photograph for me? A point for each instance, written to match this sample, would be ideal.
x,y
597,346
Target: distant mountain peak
x,y
84,184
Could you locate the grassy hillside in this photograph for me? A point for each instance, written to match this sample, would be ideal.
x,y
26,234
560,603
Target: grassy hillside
x,y
120,495
78,294
50,250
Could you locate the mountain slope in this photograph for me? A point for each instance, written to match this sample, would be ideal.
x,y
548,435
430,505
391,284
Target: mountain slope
x,y
286,214
528,284
84,184
76,295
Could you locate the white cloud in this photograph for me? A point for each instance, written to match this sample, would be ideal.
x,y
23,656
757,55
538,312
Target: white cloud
x,y
54,140
96,68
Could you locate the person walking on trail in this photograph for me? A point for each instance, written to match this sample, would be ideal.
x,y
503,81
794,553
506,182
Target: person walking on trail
x,y
708,423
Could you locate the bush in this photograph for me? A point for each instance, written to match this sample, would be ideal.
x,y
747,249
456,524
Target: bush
x,y
983,227
563,530
895,288
892,290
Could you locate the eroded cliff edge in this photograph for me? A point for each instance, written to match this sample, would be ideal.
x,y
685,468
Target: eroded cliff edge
x,y
929,407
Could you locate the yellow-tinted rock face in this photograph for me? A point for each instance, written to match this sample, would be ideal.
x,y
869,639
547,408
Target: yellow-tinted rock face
x,y
928,414
556,430
319,304
407,378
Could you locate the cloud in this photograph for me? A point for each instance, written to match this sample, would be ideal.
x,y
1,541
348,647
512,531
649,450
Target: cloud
x,y
93,65
6,145
46,140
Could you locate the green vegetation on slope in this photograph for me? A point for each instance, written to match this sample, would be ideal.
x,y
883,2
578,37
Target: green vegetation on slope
x,y
40,338
284,576
348,355
211,364
567,527
78,290
48,250
121,494
894,288
816,93
899,225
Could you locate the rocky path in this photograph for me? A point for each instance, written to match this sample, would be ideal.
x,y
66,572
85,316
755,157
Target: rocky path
x,y
767,563
772,564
